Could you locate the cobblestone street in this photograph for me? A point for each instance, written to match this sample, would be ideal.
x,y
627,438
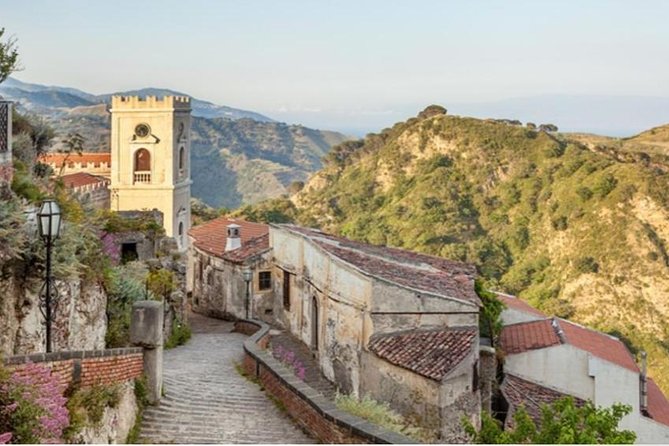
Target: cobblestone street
x,y
207,401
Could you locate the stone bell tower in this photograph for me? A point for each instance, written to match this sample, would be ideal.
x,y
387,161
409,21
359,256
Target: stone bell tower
x,y
150,157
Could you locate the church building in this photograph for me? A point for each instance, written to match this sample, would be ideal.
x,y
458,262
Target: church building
x,y
150,159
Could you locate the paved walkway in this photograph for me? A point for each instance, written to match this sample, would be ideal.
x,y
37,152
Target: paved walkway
x,y
207,401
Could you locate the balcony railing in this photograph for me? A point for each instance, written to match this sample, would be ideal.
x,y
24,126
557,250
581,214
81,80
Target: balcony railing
x,y
142,177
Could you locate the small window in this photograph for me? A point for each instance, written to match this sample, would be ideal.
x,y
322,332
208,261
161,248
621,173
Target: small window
x,y
264,280
286,290
475,377
199,271
128,252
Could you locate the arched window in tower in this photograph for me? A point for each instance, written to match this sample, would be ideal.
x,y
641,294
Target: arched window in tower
x,y
142,173
182,161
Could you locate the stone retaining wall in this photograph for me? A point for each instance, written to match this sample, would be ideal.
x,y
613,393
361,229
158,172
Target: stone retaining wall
x,y
306,406
86,368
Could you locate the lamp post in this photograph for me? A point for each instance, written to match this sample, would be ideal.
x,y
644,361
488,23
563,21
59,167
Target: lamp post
x,y
248,276
48,221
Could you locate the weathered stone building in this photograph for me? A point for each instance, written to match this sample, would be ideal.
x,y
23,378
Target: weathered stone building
x,y
88,188
399,326
220,250
69,163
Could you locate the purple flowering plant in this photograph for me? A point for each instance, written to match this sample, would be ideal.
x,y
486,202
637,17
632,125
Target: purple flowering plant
x,y
290,359
32,407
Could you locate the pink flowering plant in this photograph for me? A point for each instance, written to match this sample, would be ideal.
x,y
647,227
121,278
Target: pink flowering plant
x,y
290,359
32,408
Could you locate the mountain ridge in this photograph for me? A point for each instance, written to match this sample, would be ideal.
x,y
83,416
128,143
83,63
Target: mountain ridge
x,y
43,97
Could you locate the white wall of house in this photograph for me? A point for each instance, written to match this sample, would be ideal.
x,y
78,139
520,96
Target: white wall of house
x,y
577,372
513,316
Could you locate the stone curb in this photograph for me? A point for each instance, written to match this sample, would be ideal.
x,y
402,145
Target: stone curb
x,y
323,407
74,354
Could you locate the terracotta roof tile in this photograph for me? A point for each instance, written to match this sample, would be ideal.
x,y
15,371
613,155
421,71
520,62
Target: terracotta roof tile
x,y
514,303
599,344
81,179
519,392
521,337
658,406
421,272
211,237
518,338
430,353
85,157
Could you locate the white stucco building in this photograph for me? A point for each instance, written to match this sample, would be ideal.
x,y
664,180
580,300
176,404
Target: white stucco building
x,y
550,357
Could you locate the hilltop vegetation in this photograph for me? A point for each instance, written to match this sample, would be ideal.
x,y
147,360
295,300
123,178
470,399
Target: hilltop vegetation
x,y
577,232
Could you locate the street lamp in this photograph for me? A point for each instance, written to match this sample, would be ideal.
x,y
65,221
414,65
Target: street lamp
x,y
48,221
248,276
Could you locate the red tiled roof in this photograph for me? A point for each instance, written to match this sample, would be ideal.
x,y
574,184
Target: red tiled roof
x,y
518,338
212,236
421,272
658,406
430,353
81,179
519,392
599,344
514,303
85,157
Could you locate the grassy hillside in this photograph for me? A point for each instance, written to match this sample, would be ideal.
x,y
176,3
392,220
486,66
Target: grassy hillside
x,y
577,232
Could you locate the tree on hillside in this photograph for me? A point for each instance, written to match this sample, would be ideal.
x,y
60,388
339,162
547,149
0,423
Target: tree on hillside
x,y
562,422
490,316
9,56
73,143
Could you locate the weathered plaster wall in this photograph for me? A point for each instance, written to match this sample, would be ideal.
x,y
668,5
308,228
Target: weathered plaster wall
x,y
406,392
220,291
458,397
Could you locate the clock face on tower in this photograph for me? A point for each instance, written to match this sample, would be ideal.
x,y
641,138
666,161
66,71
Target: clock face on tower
x,y
142,130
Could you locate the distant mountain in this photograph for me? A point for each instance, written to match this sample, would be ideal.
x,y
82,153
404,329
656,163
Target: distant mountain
x,y
42,98
238,157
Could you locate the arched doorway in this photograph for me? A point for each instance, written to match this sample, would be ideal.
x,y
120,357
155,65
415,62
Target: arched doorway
x,y
314,323
142,171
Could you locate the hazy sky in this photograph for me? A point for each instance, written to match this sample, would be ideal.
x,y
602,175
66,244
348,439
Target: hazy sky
x,y
346,64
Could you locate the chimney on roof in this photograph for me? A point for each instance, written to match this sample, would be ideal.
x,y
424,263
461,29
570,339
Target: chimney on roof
x,y
643,385
234,240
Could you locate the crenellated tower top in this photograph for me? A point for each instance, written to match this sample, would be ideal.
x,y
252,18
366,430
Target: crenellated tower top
x,y
150,102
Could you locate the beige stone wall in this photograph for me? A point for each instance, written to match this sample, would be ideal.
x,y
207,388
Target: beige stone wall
x,y
219,290
408,393
167,188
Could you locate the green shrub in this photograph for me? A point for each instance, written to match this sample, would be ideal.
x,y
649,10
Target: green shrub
x,y
559,223
382,415
586,265
142,398
180,334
